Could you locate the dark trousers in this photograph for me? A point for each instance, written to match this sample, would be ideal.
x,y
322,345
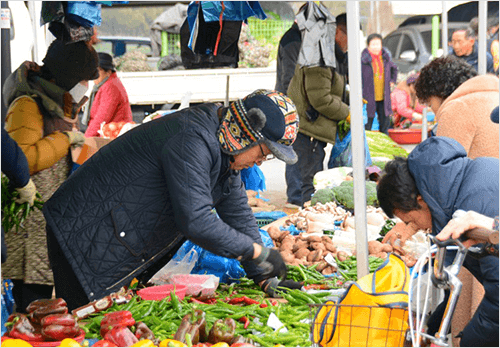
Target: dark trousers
x,y
311,153
24,294
293,184
383,120
66,283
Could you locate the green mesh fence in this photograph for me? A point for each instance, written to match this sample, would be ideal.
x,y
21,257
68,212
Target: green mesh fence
x,y
270,31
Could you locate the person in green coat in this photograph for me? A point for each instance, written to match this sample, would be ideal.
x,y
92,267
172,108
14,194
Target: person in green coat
x,y
318,93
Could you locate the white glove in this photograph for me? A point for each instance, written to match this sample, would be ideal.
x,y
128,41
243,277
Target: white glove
x,y
27,193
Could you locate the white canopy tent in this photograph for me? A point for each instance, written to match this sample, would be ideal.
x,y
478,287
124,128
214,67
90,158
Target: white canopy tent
x,y
356,105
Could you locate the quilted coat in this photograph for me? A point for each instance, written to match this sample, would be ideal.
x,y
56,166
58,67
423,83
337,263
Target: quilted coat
x,y
139,197
390,75
325,92
110,105
38,113
469,185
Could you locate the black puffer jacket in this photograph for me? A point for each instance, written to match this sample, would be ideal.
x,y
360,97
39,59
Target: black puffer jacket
x,y
143,194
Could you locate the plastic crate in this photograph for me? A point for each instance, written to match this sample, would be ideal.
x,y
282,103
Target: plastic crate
x,y
173,44
264,222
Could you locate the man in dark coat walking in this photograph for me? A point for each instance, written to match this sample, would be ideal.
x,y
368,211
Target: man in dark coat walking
x,y
126,211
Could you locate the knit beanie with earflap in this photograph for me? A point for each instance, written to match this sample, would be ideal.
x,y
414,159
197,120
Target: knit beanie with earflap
x,y
263,117
70,63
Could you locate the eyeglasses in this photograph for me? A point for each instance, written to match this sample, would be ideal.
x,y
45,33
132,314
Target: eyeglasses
x,y
266,157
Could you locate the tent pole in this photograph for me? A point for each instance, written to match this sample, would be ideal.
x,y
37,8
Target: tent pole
x,y
358,144
482,14
444,31
5,55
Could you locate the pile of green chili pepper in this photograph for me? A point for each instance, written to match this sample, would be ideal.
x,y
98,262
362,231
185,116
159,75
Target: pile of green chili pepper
x,y
164,317
348,268
309,275
14,214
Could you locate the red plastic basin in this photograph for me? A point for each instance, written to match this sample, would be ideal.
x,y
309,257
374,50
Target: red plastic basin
x,y
406,136
161,291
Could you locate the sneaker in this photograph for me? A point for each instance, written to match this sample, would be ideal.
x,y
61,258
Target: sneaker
x,y
291,206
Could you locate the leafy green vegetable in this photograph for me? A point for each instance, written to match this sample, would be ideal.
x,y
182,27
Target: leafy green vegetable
x,y
389,224
344,193
323,196
381,145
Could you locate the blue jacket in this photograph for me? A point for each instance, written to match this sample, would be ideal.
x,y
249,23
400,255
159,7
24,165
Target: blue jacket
x,y
16,169
473,59
448,181
390,75
141,196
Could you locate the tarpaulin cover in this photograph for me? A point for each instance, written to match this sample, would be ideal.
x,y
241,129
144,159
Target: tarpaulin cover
x,y
317,26
232,11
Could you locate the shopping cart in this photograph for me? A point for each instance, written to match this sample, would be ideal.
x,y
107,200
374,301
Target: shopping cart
x,y
430,267
338,325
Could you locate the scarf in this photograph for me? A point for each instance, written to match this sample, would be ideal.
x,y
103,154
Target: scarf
x,y
378,65
86,113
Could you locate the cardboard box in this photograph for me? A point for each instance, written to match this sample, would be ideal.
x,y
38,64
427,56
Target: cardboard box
x,y
80,154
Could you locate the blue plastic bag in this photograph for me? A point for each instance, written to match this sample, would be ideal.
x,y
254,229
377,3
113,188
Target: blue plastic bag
x,y
253,178
208,263
8,297
341,155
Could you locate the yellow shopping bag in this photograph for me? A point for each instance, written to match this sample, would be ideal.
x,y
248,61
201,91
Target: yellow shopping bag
x,y
372,313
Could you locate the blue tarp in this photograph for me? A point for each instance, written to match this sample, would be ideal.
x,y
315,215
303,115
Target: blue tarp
x,y
233,11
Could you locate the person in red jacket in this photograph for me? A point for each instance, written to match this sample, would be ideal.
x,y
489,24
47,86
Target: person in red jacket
x,y
108,100
404,103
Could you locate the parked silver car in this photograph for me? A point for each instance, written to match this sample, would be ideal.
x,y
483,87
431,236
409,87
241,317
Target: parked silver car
x,y
410,45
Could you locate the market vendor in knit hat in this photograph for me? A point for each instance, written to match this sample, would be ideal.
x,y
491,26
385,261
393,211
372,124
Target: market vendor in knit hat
x,y
128,209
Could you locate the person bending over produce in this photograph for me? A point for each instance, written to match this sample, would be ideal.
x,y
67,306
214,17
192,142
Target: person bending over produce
x,y
426,189
126,211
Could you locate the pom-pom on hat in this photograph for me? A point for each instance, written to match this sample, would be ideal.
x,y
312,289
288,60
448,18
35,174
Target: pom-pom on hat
x,y
494,115
264,116
70,63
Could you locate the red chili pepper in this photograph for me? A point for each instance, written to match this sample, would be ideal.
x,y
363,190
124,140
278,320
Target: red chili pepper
x,y
245,322
274,302
249,301
121,336
211,301
193,300
263,305
104,343
236,300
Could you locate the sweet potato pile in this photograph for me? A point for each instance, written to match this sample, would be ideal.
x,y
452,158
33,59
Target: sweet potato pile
x,y
258,204
306,250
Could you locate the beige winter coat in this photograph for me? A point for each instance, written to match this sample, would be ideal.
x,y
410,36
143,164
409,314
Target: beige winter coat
x,y
465,116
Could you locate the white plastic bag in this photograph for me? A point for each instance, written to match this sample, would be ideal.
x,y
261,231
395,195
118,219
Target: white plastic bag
x,y
184,266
